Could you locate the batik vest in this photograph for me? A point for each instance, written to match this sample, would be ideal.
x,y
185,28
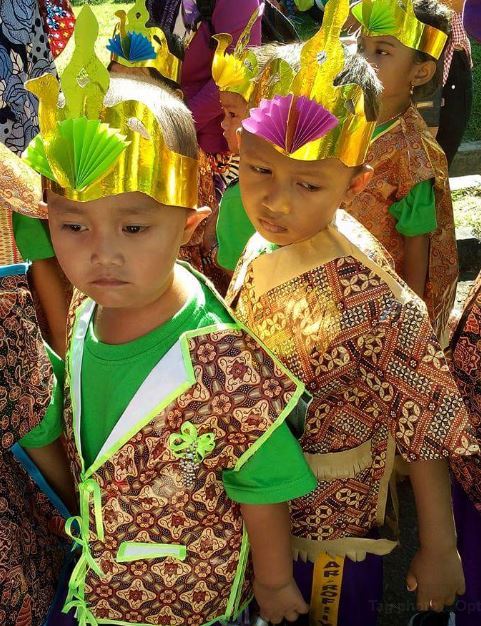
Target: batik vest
x,y
333,311
466,366
161,542
9,254
403,156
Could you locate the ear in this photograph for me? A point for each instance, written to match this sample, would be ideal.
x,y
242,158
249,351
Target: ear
x,y
358,183
193,219
423,72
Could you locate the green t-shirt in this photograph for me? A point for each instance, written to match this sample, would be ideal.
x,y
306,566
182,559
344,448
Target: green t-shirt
x,y
234,228
415,214
51,427
32,238
111,374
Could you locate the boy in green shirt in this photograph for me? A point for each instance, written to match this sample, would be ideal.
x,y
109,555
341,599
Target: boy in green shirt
x,y
174,413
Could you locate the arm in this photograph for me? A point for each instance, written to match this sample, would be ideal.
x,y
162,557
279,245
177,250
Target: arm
x,y
276,592
416,262
50,287
52,462
436,571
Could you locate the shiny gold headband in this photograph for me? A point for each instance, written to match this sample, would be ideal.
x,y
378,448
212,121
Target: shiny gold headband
x,y
95,145
236,72
136,45
390,17
315,119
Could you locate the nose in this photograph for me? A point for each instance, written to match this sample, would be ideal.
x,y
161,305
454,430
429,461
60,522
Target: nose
x,y
278,200
104,251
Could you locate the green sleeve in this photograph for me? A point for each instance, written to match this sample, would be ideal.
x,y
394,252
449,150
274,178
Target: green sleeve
x,y
277,472
50,428
416,213
234,228
32,238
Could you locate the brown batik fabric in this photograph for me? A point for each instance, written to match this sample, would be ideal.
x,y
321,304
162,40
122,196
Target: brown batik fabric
x,y
362,343
466,366
238,394
403,156
31,553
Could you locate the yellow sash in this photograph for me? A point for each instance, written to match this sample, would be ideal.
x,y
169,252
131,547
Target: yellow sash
x,y
326,590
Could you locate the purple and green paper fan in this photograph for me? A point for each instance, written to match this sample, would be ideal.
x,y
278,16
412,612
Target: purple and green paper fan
x,y
290,122
139,47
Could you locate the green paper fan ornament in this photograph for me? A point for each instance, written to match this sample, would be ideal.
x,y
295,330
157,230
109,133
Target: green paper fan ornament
x,y
74,148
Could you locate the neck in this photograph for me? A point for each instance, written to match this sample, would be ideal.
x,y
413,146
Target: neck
x,y
121,325
392,108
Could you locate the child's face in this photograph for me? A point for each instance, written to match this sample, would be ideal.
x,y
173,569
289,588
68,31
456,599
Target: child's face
x,y
235,110
395,65
287,200
118,250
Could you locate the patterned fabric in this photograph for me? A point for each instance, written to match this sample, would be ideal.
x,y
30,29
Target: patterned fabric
x,y
149,495
466,365
31,554
406,154
362,344
9,253
24,54
59,21
458,41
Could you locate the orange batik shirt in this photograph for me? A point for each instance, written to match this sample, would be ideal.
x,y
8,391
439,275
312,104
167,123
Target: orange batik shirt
x,y
403,156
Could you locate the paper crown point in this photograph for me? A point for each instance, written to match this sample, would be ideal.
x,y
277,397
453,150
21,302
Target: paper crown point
x,y
398,19
236,71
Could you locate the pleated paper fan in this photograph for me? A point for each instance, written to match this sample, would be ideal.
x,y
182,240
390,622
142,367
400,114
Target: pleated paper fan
x,y
289,122
83,151
139,47
378,16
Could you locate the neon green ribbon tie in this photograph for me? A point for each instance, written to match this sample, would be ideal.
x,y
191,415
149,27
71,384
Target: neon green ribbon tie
x,y
89,492
188,443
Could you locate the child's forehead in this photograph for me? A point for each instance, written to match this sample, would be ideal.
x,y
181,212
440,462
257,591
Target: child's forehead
x,y
134,203
254,147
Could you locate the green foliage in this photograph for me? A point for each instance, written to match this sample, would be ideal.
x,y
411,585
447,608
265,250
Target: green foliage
x,y
473,132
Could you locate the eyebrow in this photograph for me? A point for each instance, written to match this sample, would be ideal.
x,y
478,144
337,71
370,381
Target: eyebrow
x,y
384,42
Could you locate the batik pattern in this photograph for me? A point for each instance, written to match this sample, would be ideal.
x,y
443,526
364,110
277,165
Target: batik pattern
x,y
31,554
377,375
466,364
402,157
238,394
59,21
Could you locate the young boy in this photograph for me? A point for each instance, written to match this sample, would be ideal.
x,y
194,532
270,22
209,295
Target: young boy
x,y
32,548
174,414
466,366
319,291
407,204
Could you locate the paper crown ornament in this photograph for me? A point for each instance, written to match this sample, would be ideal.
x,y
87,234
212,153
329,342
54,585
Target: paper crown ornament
x,y
312,119
236,72
136,45
97,145
395,18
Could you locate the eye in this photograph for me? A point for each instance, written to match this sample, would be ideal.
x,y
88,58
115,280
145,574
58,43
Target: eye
x,y
309,187
260,170
383,53
74,228
134,229
232,115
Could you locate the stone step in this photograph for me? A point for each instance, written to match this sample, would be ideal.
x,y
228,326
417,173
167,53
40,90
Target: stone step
x,y
468,159
458,183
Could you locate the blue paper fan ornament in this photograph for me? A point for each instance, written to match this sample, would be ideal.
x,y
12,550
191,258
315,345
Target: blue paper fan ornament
x,y
133,48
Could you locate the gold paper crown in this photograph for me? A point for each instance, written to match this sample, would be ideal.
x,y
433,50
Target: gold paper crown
x,y
322,59
236,72
93,147
391,17
136,45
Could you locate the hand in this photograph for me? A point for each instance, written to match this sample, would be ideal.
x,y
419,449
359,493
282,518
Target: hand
x,y
279,603
437,576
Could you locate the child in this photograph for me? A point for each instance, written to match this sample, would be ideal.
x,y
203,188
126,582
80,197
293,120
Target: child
x,y
407,205
32,550
466,365
319,291
174,414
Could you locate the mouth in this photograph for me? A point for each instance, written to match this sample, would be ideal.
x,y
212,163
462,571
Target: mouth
x,y
107,281
271,227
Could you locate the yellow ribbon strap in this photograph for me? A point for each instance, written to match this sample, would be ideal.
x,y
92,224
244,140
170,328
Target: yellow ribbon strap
x,y
188,444
326,590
